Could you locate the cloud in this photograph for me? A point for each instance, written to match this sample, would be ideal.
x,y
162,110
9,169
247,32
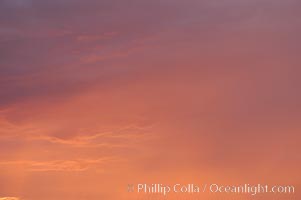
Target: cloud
x,y
19,3
113,139
89,38
174,88
59,165
10,198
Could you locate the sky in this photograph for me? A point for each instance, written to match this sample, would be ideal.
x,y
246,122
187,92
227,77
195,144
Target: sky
x,y
99,94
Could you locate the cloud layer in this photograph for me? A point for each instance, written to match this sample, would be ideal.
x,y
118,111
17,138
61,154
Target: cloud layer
x,y
97,94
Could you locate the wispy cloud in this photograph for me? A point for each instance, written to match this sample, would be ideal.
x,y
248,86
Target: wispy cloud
x,y
116,138
10,198
83,82
91,37
90,138
60,165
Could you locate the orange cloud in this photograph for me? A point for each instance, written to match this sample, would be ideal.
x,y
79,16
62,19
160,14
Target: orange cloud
x,y
58,165
98,94
9,198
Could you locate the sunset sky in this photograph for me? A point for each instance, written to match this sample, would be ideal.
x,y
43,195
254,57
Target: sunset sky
x,y
99,94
